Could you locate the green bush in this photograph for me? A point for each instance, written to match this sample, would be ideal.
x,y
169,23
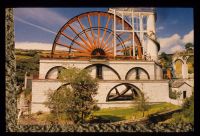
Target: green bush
x,y
77,102
187,115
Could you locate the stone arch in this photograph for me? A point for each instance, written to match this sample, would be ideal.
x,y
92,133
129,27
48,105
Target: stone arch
x,y
103,65
137,74
190,64
179,64
62,86
179,59
123,92
53,71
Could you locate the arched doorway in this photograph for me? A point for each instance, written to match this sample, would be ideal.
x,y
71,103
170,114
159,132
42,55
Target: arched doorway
x,y
102,71
179,68
53,72
123,92
190,64
137,73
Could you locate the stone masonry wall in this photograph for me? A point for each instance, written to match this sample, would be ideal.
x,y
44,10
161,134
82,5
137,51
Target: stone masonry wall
x,y
11,98
156,91
122,67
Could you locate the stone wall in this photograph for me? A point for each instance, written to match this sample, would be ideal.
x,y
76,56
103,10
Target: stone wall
x,y
10,69
122,67
155,91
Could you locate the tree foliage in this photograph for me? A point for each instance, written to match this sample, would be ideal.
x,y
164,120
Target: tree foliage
x,y
165,59
59,101
142,103
78,102
30,65
187,114
174,94
188,46
188,108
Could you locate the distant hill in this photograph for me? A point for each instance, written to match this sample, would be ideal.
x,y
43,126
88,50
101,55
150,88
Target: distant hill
x,y
26,61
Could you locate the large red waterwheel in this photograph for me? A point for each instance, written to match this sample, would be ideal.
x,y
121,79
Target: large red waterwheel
x,y
91,34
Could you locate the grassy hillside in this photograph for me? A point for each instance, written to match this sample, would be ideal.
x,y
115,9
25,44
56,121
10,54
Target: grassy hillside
x,y
27,61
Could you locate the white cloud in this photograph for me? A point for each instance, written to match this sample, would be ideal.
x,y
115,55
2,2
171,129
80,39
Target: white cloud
x,y
176,48
189,37
37,46
33,45
41,15
175,42
169,41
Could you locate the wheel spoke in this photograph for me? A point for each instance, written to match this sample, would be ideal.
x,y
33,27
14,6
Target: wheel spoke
x,y
93,36
74,30
105,30
82,27
99,25
68,46
75,41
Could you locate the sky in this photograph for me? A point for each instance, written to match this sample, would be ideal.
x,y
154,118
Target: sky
x,y
36,28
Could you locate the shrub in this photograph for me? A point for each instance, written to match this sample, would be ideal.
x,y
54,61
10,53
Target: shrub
x,y
76,102
142,103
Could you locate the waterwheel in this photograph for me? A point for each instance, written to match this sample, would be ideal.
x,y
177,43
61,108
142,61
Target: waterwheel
x,y
91,34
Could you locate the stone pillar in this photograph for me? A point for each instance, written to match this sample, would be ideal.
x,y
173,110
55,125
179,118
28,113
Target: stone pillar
x,y
184,70
151,29
10,68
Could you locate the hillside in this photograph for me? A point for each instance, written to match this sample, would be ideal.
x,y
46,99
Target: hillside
x,y
27,61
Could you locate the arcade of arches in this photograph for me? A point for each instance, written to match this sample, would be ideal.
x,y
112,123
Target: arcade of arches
x,y
184,67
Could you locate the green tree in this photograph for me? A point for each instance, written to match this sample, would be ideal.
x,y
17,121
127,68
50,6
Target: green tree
x,y
188,108
142,104
187,114
59,102
165,59
188,46
174,94
78,103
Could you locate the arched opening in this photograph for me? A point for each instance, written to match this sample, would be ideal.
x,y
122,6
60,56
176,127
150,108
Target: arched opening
x,y
178,68
54,72
190,64
137,73
123,92
98,53
103,72
67,85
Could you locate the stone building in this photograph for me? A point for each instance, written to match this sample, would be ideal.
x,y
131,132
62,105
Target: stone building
x,y
183,87
119,47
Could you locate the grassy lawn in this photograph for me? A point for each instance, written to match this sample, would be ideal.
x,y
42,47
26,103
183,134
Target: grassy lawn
x,y
112,114
131,113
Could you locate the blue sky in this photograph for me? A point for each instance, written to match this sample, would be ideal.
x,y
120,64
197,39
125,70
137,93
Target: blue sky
x,y
37,27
